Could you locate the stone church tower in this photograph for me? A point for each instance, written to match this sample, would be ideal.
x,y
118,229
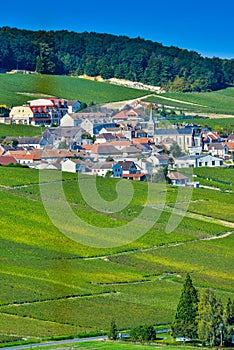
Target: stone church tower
x,y
151,124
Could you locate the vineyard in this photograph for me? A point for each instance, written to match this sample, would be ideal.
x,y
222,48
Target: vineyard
x,y
51,285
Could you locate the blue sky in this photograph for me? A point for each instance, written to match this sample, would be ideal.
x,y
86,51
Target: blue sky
x,y
204,26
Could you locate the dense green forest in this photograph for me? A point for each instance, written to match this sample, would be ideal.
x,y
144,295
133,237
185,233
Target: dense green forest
x,y
65,53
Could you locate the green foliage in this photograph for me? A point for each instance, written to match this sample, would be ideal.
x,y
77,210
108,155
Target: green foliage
x,y
113,333
229,312
15,143
175,150
63,52
109,173
210,319
143,334
185,319
63,145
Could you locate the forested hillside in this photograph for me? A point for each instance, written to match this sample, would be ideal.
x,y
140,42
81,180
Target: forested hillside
x,y
63,52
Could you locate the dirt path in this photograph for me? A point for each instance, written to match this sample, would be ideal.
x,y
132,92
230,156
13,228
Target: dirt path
x,y
179,101
121,104
167,245
202,217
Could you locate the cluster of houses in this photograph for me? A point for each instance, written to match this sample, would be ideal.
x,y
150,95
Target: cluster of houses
x,y
127,143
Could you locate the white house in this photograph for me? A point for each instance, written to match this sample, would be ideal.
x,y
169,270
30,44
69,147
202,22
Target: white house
x,y
70,120
34,142
73,166
216,149
102,168
198,161
159,160
209,161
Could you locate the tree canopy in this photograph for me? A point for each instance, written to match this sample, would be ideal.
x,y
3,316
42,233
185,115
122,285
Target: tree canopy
x,y
63,52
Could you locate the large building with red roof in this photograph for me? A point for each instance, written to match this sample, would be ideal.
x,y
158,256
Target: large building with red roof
x,y
39,112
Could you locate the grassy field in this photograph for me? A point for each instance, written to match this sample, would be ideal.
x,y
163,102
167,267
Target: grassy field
x,y
51,285
213,123
16,89
216,102
19,130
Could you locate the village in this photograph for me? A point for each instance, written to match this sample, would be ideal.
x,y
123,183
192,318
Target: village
x,y
127,143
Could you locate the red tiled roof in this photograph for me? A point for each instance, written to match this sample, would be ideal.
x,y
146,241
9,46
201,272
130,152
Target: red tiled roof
x,y
140,140
88,147
25,156
5,160
230,145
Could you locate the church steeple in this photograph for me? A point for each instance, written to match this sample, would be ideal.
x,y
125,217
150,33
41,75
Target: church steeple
x,y
151,124
151,115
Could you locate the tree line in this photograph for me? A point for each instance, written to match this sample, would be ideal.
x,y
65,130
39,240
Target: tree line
x,y
70,53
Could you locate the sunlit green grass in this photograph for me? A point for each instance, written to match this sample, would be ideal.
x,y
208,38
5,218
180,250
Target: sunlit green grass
x,y
216,102
16,89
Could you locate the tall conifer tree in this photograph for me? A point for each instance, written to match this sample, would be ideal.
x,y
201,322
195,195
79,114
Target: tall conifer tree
x,y
185,319
211,325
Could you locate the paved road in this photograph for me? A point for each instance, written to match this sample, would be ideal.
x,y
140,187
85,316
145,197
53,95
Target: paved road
x,y
54,343
71,341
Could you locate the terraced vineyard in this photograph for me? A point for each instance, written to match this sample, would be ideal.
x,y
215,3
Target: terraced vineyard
x,y
51,285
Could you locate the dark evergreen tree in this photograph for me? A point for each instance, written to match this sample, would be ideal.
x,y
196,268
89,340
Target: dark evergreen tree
x,y
185,323
229,312
15,143
39,65
113,333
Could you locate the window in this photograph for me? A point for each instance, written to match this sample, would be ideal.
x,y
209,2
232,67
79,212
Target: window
x,y
200,163
213,162
206,163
